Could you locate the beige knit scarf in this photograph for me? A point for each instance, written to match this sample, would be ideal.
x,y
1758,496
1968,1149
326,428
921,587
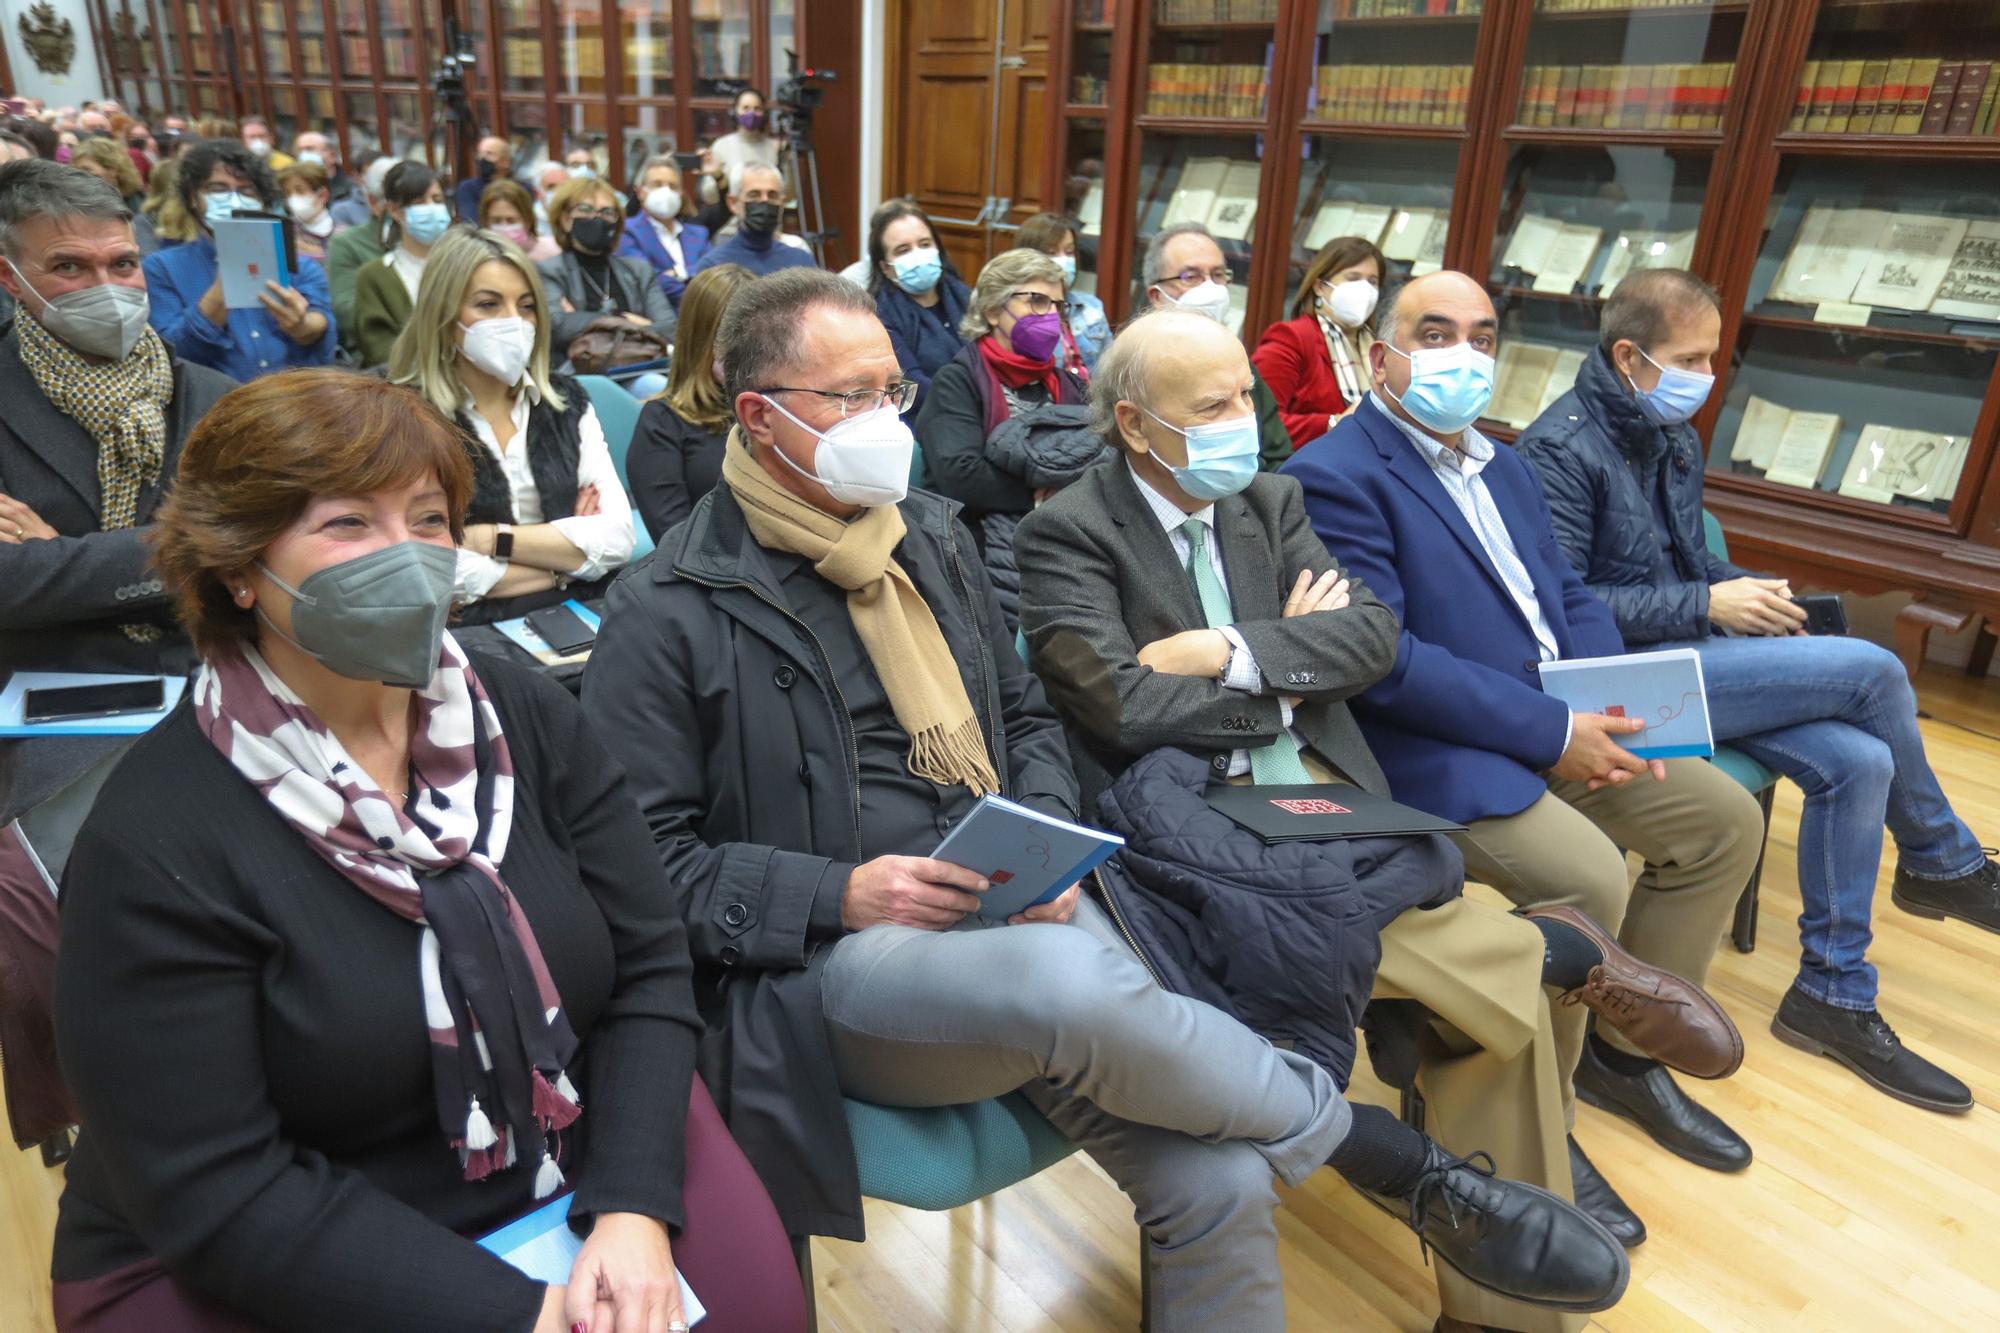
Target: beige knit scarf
x,y
897,629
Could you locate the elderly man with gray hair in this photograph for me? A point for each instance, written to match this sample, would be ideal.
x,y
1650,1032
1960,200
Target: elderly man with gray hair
x,y
754,238
818,622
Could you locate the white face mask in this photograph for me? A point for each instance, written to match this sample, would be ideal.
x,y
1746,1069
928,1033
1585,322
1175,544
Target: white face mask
x,y
1350,303
862,460
303,207
500,347
1210,298
663,202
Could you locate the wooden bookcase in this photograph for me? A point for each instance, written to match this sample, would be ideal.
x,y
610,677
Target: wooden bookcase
x,y
1667,130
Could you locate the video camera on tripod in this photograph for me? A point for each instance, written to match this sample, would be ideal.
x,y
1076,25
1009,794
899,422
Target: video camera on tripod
x,y
798,97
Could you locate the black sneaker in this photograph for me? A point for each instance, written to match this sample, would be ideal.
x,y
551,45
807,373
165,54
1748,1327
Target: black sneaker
x,y
1515,1239
1862,1040
1973,898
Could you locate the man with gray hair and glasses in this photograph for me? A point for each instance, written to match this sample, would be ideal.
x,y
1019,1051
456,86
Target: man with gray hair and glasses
x,y
809,686
1185,269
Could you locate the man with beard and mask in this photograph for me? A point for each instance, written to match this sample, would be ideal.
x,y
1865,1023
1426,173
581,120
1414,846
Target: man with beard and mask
x,y
263,145
1185,269
757,199
496,162
808,686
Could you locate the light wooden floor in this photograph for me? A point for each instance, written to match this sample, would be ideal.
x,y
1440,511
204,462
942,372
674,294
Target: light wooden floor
x,y
1859,1213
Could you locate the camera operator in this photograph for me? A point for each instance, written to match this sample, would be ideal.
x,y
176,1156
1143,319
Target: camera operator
x,y
750,143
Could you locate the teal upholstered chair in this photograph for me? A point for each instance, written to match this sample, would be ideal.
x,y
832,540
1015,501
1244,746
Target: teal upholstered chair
x,y
618,414
1756,779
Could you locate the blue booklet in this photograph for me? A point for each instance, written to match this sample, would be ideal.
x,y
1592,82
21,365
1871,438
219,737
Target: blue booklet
x,y
542,1246
1029,857
1664,689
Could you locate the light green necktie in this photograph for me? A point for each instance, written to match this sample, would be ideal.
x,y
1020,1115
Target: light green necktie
x,y
1276,763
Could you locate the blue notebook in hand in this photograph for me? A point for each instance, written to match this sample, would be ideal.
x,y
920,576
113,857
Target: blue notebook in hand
x,y
1664,689
1029,857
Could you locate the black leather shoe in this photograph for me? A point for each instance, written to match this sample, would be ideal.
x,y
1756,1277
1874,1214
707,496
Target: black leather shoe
x,y
1514,1239
1595,1196
1655,1103
1973,898
1863,1041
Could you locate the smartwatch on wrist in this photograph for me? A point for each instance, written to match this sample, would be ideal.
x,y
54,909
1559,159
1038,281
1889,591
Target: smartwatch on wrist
x,y
503,542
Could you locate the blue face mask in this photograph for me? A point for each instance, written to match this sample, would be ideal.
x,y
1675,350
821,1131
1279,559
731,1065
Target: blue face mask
x,y
221,207
917,271
1449,386
1067,263
1222,457
426,222
1678,395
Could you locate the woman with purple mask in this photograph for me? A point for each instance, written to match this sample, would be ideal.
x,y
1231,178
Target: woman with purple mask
x,y
750,143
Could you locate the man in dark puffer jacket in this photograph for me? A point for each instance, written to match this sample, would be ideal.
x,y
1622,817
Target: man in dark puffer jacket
x,y
1622,471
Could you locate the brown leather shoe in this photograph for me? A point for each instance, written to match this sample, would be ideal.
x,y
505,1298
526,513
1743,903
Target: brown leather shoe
x,y
1667,1018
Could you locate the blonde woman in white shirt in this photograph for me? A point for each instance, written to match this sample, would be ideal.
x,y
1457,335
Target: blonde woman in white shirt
x,y
548,519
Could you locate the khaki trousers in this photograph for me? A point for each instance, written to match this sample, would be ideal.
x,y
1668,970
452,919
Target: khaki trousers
x,y
1699,834
1487,1066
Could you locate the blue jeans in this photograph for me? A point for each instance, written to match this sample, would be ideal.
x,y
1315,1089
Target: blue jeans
x,y
1838,717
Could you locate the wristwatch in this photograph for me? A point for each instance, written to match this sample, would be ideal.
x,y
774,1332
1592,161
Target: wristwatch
x,y
503,542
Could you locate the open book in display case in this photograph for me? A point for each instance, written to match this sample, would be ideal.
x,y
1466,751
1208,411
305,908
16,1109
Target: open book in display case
x,y
1851,224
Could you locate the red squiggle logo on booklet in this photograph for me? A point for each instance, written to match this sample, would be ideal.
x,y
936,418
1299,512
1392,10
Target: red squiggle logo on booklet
x,y
1312,806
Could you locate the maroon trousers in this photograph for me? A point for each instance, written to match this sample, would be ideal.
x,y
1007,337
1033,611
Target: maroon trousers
x,y
733,1251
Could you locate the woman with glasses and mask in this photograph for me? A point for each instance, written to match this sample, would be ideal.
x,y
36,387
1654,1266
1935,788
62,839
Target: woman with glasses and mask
x,y
918,295
1316,362
548,519
386,290
1006,423
368,951
292,323
589,280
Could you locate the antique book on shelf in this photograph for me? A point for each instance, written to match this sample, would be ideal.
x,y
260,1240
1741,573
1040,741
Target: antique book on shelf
x,y
1944,484
1971,286
1405,237
1825,88
1863,478
1943,91
1910,261
1868,102
1623,252
1569,258
1430,255
1369,221
1895,84
1915,461
1090,212
1802,102
1803,448
1972,82
1520,372
1235,202
1529,247
1757,437
1829,254
1562,377
1329,221
1194,193
1565,112
1924,71
1847,87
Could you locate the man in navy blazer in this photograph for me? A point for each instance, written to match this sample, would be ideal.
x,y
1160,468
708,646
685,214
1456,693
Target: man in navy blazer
x,y
1453,534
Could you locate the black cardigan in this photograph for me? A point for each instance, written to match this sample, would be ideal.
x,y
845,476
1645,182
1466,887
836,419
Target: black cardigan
x,y
672,463
244,1032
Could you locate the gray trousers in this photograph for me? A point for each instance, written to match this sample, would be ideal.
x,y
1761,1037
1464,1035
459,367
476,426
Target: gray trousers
x,y
1188,1110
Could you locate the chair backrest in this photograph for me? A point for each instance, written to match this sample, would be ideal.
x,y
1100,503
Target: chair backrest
x,y
1713,537
618,414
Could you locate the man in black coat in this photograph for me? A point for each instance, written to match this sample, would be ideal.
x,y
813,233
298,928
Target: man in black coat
x,y
801,724
1622,470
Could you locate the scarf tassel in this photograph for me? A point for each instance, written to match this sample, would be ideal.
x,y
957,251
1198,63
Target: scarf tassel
x,y
479,1135
548,1176
484,1162
954,757
555,1107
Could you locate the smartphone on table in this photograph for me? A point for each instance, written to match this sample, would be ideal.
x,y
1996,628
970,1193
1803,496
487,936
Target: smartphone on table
x,y
562,629
70,703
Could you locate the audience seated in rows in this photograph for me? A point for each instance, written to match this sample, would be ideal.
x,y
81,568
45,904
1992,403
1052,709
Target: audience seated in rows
x,y
1622,470
919,296
1087,331
353,248
676,452
588,281
349,794
384,291
292,323
754,239
506,207
309,202
662,230
1316,363
858,645
1006,422
1453,535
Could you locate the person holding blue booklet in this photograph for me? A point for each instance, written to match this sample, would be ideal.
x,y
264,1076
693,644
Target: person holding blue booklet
x,y
1622,469
811,685
1451,532
365,951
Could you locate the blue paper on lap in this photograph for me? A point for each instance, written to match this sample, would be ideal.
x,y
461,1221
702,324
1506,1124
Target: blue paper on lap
x,y
542,1246
1029,857
1663,689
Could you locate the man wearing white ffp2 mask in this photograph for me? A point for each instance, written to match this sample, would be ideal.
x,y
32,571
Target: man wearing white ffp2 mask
x,y
1185,269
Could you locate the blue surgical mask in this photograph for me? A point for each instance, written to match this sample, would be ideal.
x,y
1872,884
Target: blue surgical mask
x,y
1067,263
1678,395
1449,386
917,271
1222,456
221,207
426,222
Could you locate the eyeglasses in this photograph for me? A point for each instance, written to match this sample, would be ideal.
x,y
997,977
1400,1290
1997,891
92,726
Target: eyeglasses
x,y
1192,277
860,402
608,213
1041,304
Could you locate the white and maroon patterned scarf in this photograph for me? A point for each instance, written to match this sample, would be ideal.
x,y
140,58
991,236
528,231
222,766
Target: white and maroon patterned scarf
x,y
499,1040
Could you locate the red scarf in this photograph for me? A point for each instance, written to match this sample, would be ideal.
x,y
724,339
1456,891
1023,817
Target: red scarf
x,y
1016,371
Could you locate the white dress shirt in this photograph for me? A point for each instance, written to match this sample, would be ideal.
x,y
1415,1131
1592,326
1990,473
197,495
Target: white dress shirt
x,y
605,538
669,233
1242,673
408,267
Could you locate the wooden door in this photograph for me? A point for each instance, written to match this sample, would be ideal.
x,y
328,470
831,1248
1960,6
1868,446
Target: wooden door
x,y
969,80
